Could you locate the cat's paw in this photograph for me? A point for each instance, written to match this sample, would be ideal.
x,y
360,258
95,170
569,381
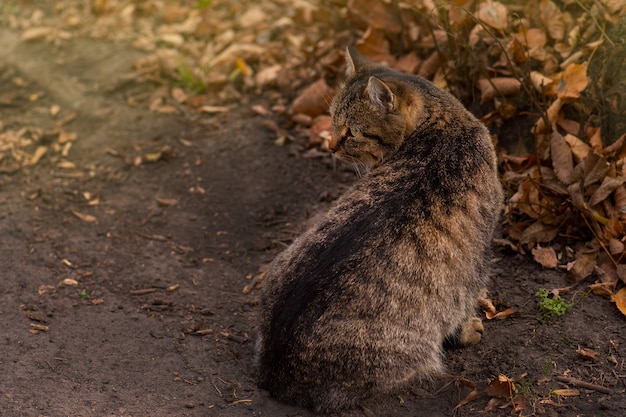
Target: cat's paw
x,y
471,331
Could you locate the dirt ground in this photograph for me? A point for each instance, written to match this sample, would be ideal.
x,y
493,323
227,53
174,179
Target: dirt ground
x,y
123,279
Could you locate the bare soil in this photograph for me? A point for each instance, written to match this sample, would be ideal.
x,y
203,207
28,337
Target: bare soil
x,y
156,321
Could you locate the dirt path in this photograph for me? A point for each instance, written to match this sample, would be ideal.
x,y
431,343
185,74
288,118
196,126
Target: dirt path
x,y
152,319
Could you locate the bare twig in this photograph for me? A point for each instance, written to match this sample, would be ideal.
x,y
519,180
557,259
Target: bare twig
x,y
582,384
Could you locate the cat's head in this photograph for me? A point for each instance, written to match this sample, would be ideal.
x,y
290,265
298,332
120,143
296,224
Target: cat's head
x,y
372,113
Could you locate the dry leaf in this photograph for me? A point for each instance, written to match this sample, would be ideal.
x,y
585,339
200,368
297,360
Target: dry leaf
x,y
501,314
314,99
609,184
69,282
570,83
580,149
375,46
36,33
375,13
540,81
546,257
588,354
214,109
562,158
39,327
490,88
502,387
493,14
582,267
552,18
538,233
619,299
85,217
39,153
566,392
166,202
469,397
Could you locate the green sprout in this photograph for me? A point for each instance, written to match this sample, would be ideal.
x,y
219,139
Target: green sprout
x,y
551,305
189,80
83,294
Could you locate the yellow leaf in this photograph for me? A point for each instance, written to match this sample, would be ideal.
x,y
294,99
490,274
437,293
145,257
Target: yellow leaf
x,y
619,299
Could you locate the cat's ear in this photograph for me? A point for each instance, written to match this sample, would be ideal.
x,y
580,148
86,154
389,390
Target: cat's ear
x,y
350,58
380,94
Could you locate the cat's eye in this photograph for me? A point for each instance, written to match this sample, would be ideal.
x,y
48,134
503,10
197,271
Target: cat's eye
x,y
349,133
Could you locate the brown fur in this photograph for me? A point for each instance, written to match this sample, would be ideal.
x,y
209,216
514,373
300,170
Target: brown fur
x,y
362,302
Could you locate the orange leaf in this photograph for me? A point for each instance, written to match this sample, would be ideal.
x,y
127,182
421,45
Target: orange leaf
x,y
500,314
620,300
570,83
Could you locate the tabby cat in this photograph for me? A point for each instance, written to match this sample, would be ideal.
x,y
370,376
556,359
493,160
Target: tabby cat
x,y
362,303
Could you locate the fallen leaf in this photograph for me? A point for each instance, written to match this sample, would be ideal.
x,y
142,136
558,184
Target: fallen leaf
x,y
570,83
214,109
538,233
582,267
166,202
562,158
69,282
314,99
375,46
493,14
609,184
501,386
469,397
39,327
546,257
44,289
500,314
552,19
566,392
39,153
375,13
580,149
619,299
588,354
85,217
497,86
36,33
